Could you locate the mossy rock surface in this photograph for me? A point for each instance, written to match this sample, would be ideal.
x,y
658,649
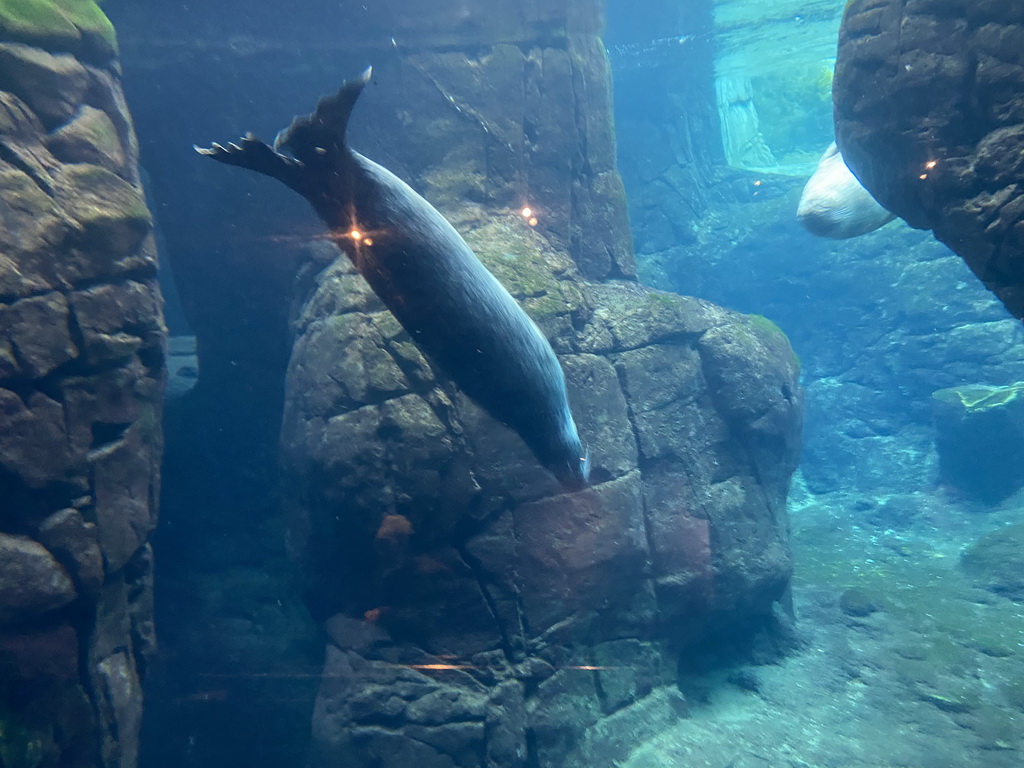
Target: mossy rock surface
x,y
528,267
975,398
78,26
111,212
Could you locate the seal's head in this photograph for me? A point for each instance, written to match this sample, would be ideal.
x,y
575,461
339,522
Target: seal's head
x,y
566,457
835,205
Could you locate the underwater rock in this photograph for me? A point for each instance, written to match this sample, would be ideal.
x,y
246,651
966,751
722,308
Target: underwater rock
x,y
692,415
81,374
76,26
980,439
32,228
52,86
929,115
89,138
116,321
31,581
37,336
858,602
34,446
74,544
997,561
39,656
112,215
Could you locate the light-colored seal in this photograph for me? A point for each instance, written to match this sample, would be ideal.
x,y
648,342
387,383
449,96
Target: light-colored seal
x,y
455,310
835,205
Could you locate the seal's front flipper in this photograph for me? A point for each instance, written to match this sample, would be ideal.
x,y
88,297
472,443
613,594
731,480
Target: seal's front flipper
x,y
253,154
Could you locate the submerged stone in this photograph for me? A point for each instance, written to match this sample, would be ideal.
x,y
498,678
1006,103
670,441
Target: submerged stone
x,y
89,138
980,439
31,580
68,25
111,212
53,86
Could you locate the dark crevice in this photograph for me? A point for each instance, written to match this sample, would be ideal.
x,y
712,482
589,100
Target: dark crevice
x,y
106,434
142,274
8,155
532,756
511,654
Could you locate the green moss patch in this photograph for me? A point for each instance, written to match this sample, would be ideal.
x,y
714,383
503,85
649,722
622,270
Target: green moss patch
x,y
112,213
79,26
528,268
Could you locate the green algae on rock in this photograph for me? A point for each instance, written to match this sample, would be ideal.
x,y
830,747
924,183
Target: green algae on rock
x,y
79,26
112,213
528,267
979,397
90,137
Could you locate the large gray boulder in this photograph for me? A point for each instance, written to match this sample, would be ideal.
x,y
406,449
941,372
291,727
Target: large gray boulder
x,y
452,573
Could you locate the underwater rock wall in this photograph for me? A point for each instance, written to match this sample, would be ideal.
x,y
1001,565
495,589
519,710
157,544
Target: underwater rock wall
x,y
476,615
666,120
930,117
81,377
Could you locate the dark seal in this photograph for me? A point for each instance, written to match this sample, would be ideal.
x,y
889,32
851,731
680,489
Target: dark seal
x,y
454,309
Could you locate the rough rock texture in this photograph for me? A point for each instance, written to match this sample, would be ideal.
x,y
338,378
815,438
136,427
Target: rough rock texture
x,y
929,114
81,374
431,536
980,439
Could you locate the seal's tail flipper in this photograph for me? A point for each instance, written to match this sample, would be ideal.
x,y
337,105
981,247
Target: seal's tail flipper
x,y
320,136
308,153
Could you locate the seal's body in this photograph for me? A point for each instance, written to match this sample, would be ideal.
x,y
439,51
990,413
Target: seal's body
x,y
424,272
834,204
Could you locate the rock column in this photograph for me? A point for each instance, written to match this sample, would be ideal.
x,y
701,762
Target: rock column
x,y
81,376
929,114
